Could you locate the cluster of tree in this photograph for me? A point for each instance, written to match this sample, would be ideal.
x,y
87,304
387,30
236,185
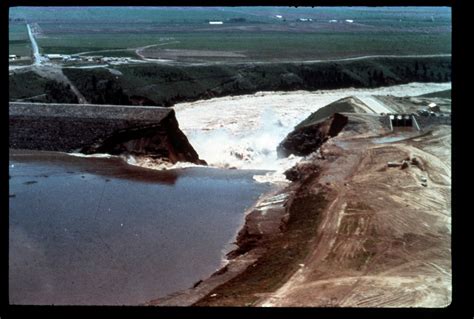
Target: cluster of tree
x,y
420,72
167,74
330,77
373,75
105,91
57,92
98,86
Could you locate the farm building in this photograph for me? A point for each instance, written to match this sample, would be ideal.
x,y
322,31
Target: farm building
x,y
54,56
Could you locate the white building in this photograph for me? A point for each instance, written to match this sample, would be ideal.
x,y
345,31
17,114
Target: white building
x,y
54,56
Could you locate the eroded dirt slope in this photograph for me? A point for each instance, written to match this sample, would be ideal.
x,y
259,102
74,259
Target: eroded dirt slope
x,y
384,241
366,222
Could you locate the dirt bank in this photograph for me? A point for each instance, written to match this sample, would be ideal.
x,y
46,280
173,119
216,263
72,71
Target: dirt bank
x,y
349,231
384,241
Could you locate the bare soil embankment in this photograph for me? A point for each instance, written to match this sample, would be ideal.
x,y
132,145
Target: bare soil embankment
x,y
384,241
350,231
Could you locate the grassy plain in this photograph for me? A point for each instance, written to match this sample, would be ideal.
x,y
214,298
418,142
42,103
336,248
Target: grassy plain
x,y
263,46
254,32
18,41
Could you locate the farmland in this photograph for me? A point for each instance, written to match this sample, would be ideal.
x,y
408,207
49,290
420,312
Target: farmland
x,y
19,43
251,34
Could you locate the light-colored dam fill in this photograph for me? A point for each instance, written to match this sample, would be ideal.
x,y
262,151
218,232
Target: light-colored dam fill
x,y
97,231
244,131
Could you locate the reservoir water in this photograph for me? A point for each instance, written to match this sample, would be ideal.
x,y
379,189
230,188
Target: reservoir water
x,y
96,231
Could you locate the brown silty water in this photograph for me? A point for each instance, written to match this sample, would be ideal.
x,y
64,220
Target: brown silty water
x,y
93,231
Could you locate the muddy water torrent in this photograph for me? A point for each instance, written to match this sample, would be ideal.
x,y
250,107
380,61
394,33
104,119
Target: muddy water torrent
x,y
98,231
244,131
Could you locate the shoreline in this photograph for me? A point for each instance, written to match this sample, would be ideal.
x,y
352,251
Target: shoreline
x,y
230,252
237,260
347,223
265,225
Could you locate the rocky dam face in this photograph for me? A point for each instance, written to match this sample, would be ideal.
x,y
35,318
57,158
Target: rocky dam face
x,y
88,128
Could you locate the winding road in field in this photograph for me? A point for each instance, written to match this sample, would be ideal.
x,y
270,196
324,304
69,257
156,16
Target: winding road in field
x,y
365,57
383,56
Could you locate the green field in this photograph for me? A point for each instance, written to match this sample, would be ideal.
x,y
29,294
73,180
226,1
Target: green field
x,y
259,46
18,40
252,31
126,15
196,15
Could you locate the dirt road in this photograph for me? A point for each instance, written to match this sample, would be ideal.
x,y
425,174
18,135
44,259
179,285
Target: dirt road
x,y
56,73
36,55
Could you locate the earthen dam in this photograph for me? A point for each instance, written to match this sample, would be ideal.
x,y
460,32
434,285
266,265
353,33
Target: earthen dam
x,y
89,128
